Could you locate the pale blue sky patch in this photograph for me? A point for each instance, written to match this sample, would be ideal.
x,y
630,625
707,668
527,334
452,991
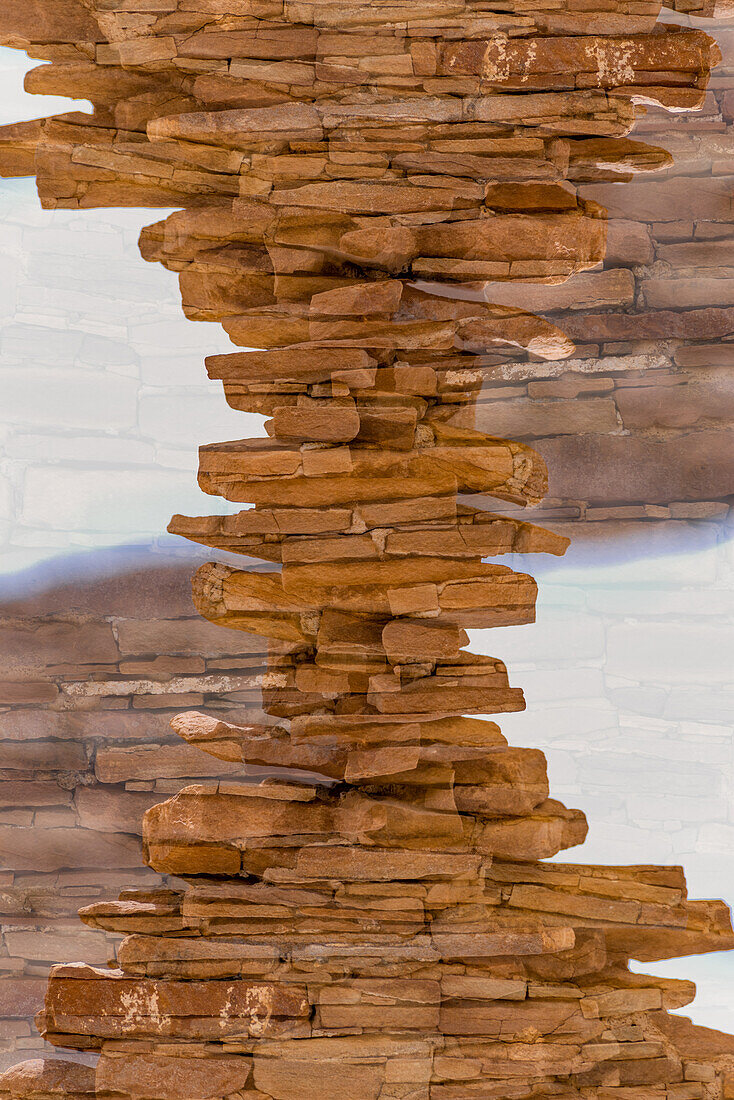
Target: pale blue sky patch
x,y
17,105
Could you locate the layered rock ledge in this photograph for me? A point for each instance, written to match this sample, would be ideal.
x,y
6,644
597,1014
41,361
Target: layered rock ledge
x,y
365,908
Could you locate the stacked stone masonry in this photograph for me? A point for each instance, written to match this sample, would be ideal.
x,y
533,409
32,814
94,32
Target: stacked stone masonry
x,y
362,907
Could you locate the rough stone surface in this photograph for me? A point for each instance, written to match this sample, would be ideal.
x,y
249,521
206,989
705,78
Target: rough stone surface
x,y
363,907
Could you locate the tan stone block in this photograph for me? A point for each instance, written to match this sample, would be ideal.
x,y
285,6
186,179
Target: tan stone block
x,y
512,1019
529,897
327,422
294,1079
469,987
143,1075
48,1077
117,765
83,1000
407,639
413,599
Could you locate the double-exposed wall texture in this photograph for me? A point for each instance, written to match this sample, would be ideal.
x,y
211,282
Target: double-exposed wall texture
x,y
375,919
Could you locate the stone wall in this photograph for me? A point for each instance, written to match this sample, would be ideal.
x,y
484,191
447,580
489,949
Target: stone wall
x,y
639,423
636,434
625,672
94,669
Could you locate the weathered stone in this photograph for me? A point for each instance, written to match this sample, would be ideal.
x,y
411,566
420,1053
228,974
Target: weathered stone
x,y
144,1075
367,912
118,765
51,849
84,1001
47,1079
686,468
